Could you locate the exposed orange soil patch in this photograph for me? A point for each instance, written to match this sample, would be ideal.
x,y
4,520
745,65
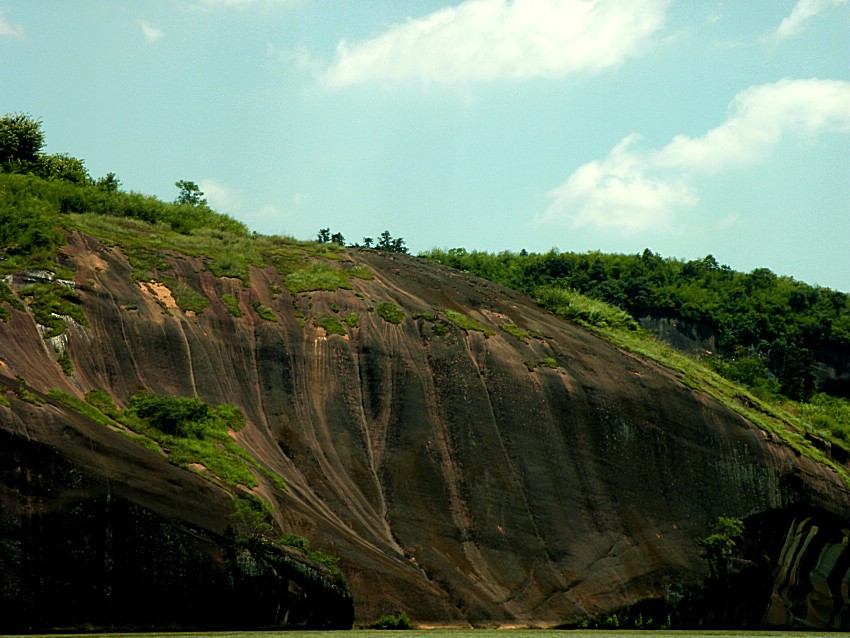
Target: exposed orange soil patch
x,y
160,292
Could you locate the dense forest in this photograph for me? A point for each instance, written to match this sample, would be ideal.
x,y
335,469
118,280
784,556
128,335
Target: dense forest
x,y
772,333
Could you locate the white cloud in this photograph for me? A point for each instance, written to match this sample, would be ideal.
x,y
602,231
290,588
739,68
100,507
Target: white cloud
x,y
485,40
299,58
220,197
802,11
9,30
622,191
151,33
212,5
634,189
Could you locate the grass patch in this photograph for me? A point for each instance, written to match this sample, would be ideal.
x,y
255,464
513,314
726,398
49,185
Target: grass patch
x,y
515,331
425,316
352,320
225,251
332,325
438,328
390,312
575,307
316,276
49,303
548,362
83,407
64,362
186,298
25,394
8,297
359,272
188,431
264,312
466,323
232,305
101,401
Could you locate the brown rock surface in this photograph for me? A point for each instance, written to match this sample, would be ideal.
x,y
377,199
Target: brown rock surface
x,y
457,480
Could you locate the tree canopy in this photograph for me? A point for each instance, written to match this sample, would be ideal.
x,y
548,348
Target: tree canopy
x,y
21,140
768,328
385,242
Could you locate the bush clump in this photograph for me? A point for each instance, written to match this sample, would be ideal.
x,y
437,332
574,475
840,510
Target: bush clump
x,y
186,298
574,306
186,417
514,330
328,560
194,433
390,312
50,303
232,305
391,622
316,276
467,323
264,312
101,401
332,325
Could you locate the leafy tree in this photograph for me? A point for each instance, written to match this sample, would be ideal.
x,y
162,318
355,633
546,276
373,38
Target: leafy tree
x,y
720,548
338,239
110,183
385,240
390,244
367,242
190,193
168,414
324,236
62,166
795,367
21,141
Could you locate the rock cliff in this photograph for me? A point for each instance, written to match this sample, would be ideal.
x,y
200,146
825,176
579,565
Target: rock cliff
x,y
482,461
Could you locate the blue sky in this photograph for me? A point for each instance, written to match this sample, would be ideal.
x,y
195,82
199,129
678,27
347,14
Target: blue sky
x,y
693,127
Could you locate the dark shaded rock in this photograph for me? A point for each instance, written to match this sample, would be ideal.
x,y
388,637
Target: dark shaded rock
x,y
84,547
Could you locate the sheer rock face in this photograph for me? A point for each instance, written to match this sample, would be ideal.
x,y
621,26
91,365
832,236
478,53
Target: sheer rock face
x,y
459,477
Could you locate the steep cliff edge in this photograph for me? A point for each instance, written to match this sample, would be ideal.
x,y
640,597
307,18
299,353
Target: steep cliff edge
x,y
479,461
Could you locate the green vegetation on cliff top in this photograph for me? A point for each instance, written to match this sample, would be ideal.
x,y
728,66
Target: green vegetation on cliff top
x,y
763,326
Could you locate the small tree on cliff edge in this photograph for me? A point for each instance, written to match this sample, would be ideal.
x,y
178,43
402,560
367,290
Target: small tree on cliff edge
x,y
386,242
190,193
21,140
720,548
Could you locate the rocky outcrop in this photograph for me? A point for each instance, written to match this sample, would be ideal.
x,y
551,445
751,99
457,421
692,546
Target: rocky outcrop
x,y
812,577
476,475
97,532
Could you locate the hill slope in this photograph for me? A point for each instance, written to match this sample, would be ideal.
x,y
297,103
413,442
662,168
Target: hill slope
x,y
469,456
